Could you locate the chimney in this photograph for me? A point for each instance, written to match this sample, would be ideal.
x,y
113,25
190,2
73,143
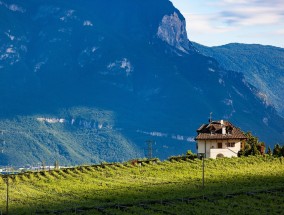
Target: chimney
x,y
224,130
223,127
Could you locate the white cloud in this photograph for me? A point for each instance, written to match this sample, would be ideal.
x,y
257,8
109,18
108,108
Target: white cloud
x,y
250,16
204,24
217,22
279,32
249,12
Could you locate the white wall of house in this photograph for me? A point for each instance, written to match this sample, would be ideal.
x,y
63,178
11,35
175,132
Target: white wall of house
x,y
229,148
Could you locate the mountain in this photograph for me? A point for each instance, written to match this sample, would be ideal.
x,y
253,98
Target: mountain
x,y
92,81
262,66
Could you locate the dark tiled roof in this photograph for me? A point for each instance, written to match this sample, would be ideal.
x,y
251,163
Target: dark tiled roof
x,y
213,131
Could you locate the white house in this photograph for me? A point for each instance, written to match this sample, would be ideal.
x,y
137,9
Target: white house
x,y
219,139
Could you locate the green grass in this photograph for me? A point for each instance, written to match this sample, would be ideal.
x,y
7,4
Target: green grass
x,y
164,187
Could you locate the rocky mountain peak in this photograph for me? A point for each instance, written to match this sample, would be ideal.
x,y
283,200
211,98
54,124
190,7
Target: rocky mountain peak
x,y
172,30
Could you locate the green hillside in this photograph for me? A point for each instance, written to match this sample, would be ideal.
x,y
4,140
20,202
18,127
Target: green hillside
x,y
251,185
68,136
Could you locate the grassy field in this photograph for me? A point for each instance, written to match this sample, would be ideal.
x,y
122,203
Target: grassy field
x,y
251,185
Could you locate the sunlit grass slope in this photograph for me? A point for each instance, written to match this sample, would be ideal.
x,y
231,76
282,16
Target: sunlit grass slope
x,y
253,185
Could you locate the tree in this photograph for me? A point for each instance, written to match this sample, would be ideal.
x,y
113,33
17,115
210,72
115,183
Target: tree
x,y
277,150
189,152
254,150
282,151
252,146
269,152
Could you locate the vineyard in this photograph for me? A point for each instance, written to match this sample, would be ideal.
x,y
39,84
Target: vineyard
x,y
248,185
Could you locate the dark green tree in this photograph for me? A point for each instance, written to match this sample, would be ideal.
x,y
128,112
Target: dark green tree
x,y
277,150
254,150
282,151
269,152
252,146
241,153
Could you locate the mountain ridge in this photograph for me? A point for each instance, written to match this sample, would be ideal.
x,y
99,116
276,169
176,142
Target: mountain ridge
x,y
262,66
122,84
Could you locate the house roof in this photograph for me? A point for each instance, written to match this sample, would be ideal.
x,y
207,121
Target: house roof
x,y
213,131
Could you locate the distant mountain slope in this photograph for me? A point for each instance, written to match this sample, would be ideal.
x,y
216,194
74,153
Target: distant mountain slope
x,y
262,66
86,82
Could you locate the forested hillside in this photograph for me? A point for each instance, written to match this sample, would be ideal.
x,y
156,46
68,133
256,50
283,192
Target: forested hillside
x,y
262,66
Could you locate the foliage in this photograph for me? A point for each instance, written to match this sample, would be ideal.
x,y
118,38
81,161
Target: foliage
x,y
189,155
278,151
269,152
252,146
189,152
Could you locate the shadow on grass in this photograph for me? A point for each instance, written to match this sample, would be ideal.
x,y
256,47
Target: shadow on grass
x,y
51,198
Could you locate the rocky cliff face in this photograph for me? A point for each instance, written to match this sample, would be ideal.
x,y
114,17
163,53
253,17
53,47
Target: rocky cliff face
x,y
172,30
80,85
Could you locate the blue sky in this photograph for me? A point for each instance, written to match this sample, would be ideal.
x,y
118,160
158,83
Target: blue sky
x,y
218,22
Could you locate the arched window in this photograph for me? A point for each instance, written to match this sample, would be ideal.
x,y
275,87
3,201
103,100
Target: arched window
x,y
220,155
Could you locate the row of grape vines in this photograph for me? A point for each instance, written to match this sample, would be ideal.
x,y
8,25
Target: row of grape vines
x,y
150,187
265,201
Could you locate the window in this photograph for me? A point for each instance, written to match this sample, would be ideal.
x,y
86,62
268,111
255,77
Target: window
x,y
230,144
219,145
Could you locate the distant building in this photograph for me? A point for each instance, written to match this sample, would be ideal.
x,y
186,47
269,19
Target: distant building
x,y
219,139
